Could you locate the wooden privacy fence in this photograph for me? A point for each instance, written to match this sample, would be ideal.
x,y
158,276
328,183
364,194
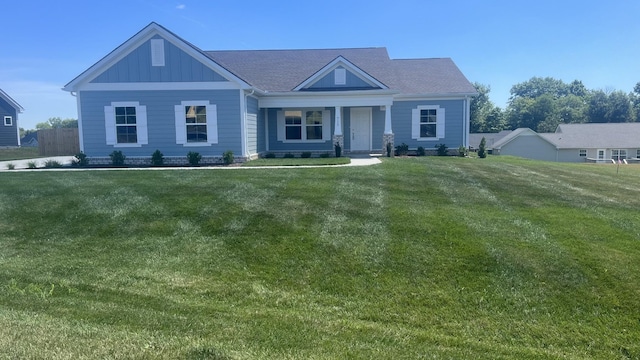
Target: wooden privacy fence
x,y
58,142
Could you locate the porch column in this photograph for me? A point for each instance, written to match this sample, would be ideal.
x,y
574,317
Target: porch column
x,y
388,137
338,137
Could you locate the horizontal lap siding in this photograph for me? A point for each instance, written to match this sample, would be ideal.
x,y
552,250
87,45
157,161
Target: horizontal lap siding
x,y
161,121
454,123
530,147
179,67
8,134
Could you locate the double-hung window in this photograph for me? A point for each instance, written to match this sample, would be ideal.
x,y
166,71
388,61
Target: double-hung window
x,y
619,154
304,125
582,152
427,122
196,123
126,124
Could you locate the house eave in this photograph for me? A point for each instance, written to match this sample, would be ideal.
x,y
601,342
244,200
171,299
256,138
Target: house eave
x,y
453,95
11,102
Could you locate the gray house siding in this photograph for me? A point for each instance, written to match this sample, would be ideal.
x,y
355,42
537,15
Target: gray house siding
x,y
179,66
573,155
328,82
8,134
454,123
530,146
161,121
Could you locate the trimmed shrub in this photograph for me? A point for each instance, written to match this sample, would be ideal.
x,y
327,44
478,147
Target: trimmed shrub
x,y
306,154
52,164
157,158
80,159
289,156
462,151
338,150
402,149
482,149
117,158
32,165
194,158
325,155
442,150
227,157
11,166
420,151
269,155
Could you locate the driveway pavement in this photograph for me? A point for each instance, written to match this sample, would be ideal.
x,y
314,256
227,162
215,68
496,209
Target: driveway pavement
x,y
24,164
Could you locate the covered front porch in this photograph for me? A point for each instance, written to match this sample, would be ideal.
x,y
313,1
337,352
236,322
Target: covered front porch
x,y
312,122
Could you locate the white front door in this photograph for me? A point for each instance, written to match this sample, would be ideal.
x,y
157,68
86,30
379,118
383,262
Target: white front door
x,y
601,154
360,129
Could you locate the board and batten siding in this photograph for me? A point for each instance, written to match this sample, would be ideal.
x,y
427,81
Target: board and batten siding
x,y
179,66
401,118
8,134
160,107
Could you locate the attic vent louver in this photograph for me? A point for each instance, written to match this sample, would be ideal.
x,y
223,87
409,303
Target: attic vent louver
x,y
157,52
340,76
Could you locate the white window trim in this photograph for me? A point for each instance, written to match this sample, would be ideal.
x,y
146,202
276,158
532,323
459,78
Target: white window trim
x,y
10,118
581,152
618,152
440,122
141,124
326,126
181,123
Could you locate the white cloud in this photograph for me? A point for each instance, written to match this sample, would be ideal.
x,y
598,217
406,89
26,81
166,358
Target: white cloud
x,y
181,6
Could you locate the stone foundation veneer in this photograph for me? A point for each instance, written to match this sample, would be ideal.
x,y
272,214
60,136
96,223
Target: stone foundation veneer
x,y
339,139
168,161
388,139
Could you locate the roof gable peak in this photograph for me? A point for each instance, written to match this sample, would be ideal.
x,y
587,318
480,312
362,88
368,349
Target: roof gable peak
x,y
340,61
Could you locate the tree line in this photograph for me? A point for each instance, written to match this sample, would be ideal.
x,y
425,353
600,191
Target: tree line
x,y
541,104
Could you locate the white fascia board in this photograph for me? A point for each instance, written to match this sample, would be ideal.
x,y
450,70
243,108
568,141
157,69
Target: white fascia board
x,y
441,96
143,86
333,65
333,100
11,102
134,42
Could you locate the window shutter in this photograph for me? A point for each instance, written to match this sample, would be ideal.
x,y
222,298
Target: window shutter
x,y
181,126
415,123
212,124
141,122
110,124
280,125
326,125
440,123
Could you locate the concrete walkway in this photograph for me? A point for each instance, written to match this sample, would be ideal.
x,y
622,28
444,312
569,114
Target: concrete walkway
x,y
66,160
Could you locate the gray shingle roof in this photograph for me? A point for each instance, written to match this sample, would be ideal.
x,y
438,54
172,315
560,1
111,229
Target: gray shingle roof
x,y
606,136
283,70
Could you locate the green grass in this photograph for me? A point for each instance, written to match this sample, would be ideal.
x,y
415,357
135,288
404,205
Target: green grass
x,y
432,258
18,153
298,161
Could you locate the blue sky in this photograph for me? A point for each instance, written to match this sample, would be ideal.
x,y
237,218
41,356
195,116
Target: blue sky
x,y
498,43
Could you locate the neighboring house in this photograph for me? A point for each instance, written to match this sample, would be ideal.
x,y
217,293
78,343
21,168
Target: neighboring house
x,y
158,91
575,143
490,138
9,110
30,140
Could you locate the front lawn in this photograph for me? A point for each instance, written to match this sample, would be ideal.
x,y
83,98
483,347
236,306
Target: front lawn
x,y
434,258
18,153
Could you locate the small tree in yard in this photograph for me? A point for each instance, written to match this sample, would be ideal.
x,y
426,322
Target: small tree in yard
x,y
482,149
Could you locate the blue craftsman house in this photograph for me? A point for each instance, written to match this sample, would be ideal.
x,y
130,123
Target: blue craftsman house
x,y
158,91
9,131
